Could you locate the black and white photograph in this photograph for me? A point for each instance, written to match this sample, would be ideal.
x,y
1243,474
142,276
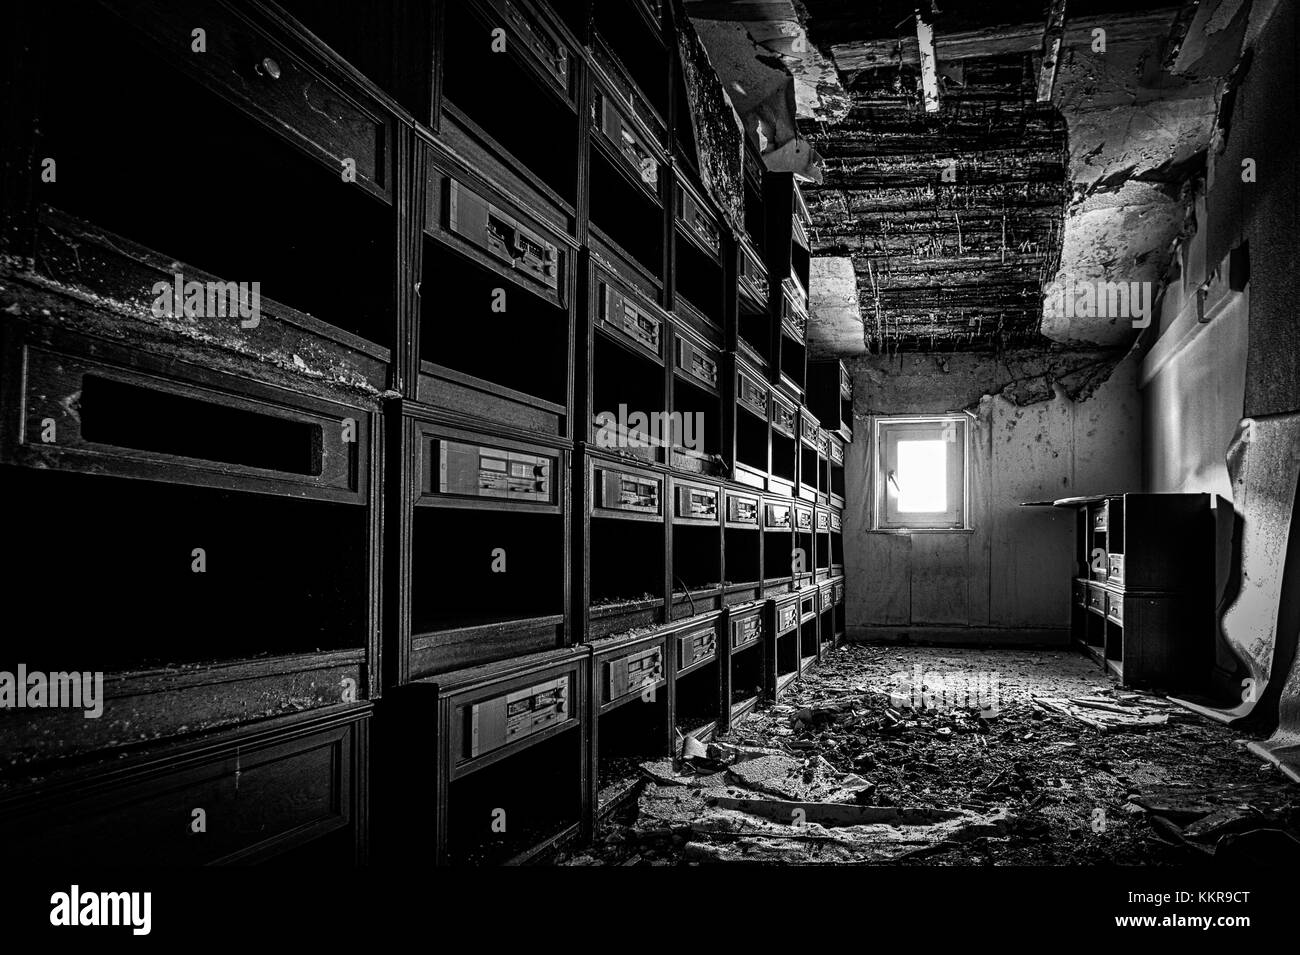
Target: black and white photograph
x,y
810,458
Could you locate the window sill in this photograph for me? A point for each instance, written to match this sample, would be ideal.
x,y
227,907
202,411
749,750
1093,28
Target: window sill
x,y
921,530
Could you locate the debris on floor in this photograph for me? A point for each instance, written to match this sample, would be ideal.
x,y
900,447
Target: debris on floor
x,y
937,756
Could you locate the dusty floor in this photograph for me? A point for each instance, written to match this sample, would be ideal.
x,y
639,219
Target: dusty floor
x,y
935,756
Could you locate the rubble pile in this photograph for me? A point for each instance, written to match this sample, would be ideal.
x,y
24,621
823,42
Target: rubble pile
x,y
886,755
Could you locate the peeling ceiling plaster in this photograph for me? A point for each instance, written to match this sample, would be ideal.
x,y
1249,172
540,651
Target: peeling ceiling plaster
x,y
1137,131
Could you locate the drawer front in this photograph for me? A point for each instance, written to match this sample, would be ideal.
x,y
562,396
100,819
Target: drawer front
x,y
539,39
120,412
696,503
1080,593
1097,599
244,65
823,442
473,470
1116,563
823,520
627,141
803,518
793,316
742,510
846,382
1115,608
245,803
628,491
745,630
631,674
751,394
697,362
753,275
696,221
837,452
1100,517
696,647
633,320
837,593
787,616
490,724
837,522
776,516
783,417
809,429
503,237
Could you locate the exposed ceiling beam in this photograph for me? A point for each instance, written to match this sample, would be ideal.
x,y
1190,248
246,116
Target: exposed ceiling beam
x,y
1053,32
855,57
929,68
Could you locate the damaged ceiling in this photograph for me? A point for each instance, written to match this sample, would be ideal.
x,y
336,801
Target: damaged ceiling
x,y
955,222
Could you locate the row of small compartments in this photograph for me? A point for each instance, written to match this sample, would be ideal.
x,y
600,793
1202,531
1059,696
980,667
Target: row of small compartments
x,y
489,716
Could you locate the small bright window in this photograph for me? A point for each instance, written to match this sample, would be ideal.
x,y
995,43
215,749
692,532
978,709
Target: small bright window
x,y
921,473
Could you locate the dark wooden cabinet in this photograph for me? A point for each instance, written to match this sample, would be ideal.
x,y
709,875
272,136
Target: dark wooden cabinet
x,y
1142,598
468,243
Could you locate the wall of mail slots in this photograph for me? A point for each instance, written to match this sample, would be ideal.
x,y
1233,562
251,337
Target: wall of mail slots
x,y
395,417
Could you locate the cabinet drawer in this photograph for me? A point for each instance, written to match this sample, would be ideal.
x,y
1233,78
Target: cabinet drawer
x,y
1116,563
256,799
697,647
246,66
1115,608
1097,599
745,630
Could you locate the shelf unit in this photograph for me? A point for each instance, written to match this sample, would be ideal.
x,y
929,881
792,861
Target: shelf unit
x,y
1143,596
473,252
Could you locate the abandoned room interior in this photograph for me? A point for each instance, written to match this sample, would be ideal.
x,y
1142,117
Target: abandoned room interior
x,y
631,433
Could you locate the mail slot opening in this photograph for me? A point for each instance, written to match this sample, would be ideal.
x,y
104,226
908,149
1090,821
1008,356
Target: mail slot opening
x,y
793,359
700,412
808,641
823,543
492,819
203,575
627,736
807,468
805,555
627,562
697,560
147,419
779,555
475,568
627,401
742,555
787,656
641,52
751,441
261,220
837,479
783,456
475,77
746,675
626,214
475,322
698,279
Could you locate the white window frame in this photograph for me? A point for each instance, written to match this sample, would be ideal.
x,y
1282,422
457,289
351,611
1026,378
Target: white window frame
x,y
885,432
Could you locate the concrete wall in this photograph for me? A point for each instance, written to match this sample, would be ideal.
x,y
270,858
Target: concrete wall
x,y
1008,580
